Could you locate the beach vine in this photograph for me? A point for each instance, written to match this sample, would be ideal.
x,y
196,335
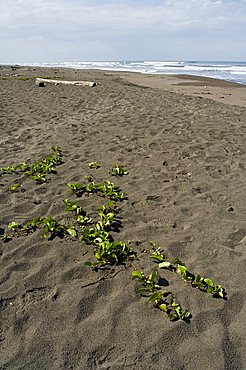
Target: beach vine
x,y
95,230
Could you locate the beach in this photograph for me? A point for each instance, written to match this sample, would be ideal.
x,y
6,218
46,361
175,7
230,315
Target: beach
x,y
182,140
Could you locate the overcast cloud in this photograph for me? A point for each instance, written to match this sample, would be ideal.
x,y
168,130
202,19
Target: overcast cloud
x,y
77,30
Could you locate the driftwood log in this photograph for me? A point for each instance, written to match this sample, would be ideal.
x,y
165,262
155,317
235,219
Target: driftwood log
x,y
41,81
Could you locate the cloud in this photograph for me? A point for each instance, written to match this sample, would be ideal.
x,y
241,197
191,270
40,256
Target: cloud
x,y
145,26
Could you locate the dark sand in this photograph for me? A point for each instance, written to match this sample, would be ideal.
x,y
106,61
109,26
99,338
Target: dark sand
x,y
186,191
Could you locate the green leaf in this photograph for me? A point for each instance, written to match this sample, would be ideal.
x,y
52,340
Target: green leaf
x,y
165,265
157,257
13,225
14,187
137,275
209,282
177,261
181,270
163,307
89,264
6,237
71,231
144,291
155,297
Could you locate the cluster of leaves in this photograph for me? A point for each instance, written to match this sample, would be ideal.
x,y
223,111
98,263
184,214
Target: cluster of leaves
x,y
197,281
17,169
80,214
109,252
163,300
118,170
51,228
106,250
106,189
14,188
39,169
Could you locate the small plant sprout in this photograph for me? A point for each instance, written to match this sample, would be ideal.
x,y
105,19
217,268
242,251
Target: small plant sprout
x,y
50,225
95,165
14,188
118,170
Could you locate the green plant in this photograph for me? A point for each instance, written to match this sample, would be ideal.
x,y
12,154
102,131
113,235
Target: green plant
x,y
157,255
111,253
118,170
106,219
14,187
73,207
149,283
39,169
13,225
18,168
94,165
80,217
106,189
28,227
95,234
77,188
109,207
172,308
6,237
150,288
53,228
204,284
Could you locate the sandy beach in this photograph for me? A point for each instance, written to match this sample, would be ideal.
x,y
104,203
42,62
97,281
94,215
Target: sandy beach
x,y
182,139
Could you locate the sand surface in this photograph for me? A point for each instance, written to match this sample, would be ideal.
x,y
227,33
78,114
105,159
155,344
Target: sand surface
x,y
201,87
186,191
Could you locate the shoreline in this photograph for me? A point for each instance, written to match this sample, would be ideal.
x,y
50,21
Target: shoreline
x,y
223,91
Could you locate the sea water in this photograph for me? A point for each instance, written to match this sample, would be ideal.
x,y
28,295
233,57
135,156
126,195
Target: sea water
x,y
229,71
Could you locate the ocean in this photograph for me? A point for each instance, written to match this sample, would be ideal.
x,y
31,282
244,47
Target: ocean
x,y
229,71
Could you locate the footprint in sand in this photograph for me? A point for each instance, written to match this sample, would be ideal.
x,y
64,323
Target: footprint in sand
x,y
236,238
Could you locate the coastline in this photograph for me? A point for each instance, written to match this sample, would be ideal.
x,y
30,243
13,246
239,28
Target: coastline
x,y
203,87
185,153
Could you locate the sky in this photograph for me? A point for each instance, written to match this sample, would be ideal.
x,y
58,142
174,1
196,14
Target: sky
x,y
104,30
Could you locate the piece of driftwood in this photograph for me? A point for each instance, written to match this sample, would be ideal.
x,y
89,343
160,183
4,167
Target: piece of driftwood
x,y
56,82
